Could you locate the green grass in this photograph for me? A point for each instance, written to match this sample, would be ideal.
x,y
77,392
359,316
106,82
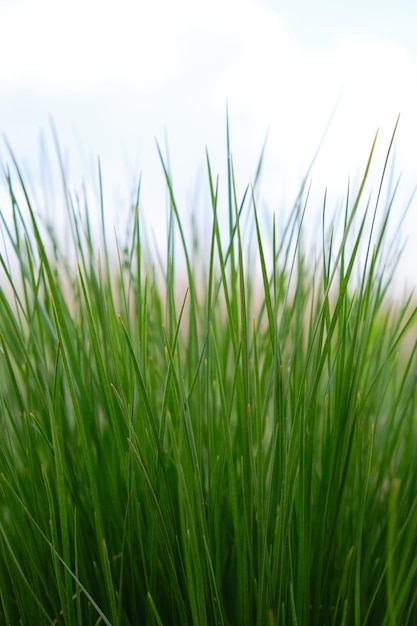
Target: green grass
x,y
239,450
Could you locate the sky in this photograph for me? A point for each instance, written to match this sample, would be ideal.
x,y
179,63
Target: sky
x,y
118,76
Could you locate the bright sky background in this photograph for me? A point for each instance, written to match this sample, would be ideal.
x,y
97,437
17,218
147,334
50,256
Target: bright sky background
x,y
117,75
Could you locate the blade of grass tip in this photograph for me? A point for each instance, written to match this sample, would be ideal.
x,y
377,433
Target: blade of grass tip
x,y
65,190
326,265
299,229
16,239
80,231
55,289
221,257
228,291
212,294
277,496
345,228
365,293
103,225
345,613
170,300
190,270
339,305
211,273
154,609
259,166
33,309
344,581
17,215
170,248
266,293
292,604
232,204
135,254
320,143
342,287
229,190
245,401
316,153
241,312
136,291
35,282
381,182
125,294
395,254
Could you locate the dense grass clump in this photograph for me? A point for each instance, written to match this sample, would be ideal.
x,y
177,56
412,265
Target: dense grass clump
x,y
239,451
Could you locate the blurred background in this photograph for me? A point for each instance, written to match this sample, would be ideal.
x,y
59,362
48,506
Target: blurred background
x,y
116,76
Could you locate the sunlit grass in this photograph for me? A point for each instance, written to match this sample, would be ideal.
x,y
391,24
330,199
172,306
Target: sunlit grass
x,y
235,445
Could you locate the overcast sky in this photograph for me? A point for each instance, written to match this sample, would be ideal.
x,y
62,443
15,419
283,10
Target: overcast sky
x,y
117,75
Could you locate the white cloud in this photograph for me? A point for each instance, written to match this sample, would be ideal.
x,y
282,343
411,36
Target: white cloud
x,y
87,43
179,61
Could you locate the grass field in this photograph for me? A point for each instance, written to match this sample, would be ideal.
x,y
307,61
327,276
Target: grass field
x,y
232,444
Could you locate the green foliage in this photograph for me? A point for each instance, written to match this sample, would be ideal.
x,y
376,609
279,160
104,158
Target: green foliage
x,y
240,451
